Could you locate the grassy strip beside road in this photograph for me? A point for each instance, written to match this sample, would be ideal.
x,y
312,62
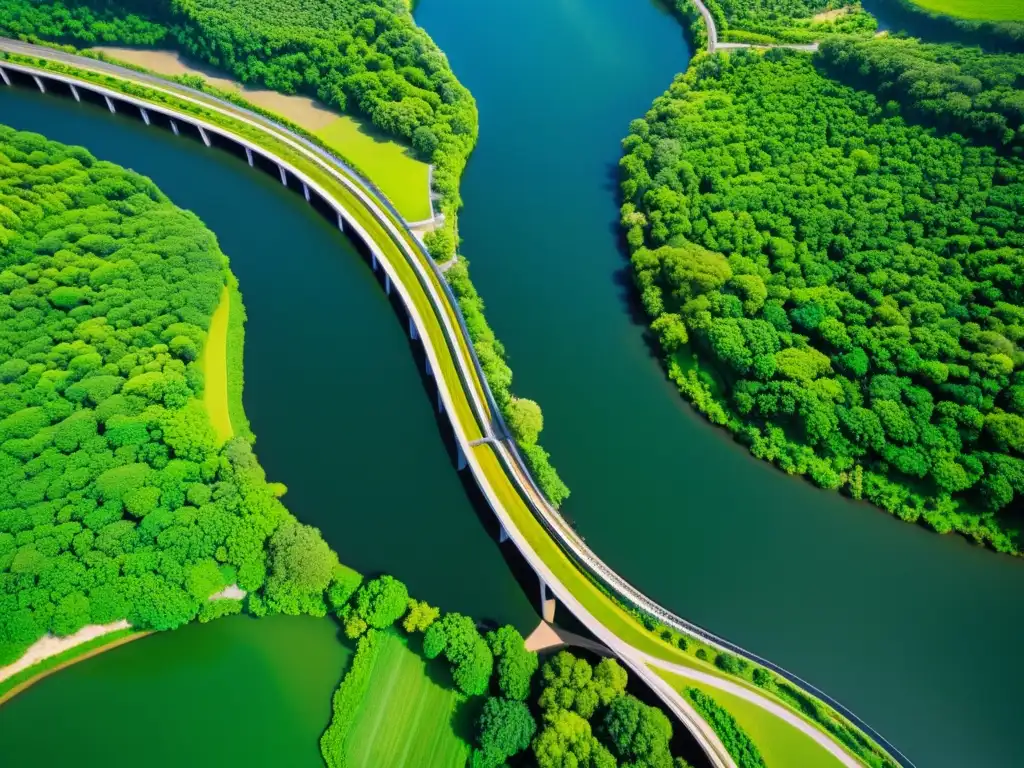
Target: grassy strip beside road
x,y
15,684
235,359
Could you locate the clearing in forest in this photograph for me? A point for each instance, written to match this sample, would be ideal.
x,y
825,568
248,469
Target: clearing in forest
x,y
990,10
214,363
407,718
391,166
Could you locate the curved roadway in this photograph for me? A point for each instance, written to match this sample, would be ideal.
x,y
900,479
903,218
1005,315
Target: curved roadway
x,y
473,384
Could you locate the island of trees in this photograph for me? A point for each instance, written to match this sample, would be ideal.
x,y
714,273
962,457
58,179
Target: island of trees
x,y
831,249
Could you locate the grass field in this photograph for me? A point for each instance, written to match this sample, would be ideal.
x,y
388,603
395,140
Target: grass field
x,y
406,718
214,362
780,744
984,10
390,166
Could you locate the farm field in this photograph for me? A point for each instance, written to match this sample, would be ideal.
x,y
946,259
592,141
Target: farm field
x,y
407,717
990,10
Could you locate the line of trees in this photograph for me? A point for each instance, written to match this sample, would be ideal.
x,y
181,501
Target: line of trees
x,y
851,286
733,737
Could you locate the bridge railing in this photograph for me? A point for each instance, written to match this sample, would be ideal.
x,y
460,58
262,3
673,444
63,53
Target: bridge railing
x,y
552,520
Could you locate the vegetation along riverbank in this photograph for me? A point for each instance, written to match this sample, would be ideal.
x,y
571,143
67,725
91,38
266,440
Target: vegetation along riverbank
x,y
363,57
833,269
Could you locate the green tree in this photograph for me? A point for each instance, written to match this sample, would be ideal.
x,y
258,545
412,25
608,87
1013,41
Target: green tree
x,y
504,729
382,601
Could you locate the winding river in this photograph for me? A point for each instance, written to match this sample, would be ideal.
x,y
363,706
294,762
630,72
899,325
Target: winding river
x,y
917,633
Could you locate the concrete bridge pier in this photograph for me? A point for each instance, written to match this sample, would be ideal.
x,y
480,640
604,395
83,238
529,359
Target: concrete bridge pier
x,y
414,333
430,371
440,402
305,191
547,601
284,177
461,457
202,132
174,128
387,283
4,77
502,534
145,115
42,88
248,156
373,260
74,92
110,104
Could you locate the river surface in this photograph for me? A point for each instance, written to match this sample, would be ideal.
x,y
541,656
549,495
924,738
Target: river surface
x,y
919,634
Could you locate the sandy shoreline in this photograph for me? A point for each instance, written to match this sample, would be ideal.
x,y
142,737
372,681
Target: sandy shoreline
x,y
48,646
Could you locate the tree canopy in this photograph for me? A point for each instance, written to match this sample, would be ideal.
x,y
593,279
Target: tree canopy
x,y
853,286
116,500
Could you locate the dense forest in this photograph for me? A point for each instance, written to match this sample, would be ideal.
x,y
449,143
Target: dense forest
x,y
842,290
955,88
362,56
116,499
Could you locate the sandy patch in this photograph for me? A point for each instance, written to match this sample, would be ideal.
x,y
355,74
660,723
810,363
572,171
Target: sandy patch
x,y
308,113
234,592
831,15
48,646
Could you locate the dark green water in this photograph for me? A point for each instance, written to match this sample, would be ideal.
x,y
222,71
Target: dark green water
x,y
918,634
232,693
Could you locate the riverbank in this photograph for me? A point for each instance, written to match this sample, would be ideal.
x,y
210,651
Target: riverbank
x,y
49,655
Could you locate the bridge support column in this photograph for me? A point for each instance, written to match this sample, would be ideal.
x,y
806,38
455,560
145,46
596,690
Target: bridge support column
x,y
174,128
74,92
206,139
387,284
430,371
145,115
42,88
502,534
248,156
414,334
547,602
341,223
440,402
284,176
461,457
305,191
4,77
110,104
373,260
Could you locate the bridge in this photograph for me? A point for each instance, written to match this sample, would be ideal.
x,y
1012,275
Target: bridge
x,y
567,570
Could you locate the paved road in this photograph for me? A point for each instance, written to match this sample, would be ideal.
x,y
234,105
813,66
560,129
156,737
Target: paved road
x,y
495,430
